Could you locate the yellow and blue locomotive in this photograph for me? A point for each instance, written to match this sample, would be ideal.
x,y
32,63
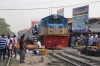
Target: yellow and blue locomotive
x,y
53,31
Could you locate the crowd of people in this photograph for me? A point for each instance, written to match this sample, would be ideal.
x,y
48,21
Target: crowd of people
x,y
85,40
7,44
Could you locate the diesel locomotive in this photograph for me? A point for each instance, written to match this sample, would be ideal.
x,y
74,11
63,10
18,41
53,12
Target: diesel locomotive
x,y
52,31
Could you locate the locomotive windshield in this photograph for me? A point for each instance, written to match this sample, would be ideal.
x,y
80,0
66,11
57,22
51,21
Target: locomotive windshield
x,y
54,21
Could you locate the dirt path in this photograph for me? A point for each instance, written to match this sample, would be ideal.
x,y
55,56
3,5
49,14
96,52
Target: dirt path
x,y
33,60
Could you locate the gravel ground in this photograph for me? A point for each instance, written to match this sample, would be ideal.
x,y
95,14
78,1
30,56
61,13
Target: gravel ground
x,y
34,60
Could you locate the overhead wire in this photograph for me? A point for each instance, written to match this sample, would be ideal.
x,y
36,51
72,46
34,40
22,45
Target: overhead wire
x,y
34,4
55,7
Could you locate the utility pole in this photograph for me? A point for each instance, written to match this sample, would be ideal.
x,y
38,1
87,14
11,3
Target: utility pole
x,y
50,11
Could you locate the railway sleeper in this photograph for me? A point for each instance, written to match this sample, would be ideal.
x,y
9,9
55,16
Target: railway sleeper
x,y
53,64
77,55
65,61
73,60
93,61
76,61
89,59
57,62
82,63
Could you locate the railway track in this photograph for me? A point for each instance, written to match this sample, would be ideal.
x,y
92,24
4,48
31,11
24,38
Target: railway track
x,y
73,60
8,62
84,57
63,60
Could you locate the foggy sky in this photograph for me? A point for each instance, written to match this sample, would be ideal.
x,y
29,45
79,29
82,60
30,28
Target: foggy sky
x,y
21,19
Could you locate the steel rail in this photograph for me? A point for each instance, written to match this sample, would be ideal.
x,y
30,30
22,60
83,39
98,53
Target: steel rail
x,y
80,62
84,57
63,60
8,61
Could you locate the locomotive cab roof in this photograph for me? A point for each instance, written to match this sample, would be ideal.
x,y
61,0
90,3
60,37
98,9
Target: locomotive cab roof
x,y
53,16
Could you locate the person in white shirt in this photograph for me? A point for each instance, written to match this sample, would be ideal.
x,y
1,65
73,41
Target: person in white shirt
x,y
11,38
10,47
8,41
39,44
90,39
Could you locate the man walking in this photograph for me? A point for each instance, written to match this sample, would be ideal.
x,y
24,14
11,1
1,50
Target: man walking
x,y
3,44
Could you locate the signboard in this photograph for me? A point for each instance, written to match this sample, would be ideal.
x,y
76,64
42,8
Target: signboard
x,y
80,26
74,26
60,12
33,23
83,18
80,19
81,10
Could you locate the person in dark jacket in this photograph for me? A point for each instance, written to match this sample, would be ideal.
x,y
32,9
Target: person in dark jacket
x,y
22,50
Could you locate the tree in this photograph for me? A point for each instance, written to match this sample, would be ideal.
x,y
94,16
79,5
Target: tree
x,y
4,27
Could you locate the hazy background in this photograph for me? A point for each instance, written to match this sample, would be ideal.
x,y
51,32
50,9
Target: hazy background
x,y
21,19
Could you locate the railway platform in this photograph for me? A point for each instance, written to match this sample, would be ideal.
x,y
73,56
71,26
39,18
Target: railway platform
x,y
4,63
10,62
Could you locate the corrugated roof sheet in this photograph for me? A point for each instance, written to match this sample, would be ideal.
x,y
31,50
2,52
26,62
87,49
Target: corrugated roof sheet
x,y
94,29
